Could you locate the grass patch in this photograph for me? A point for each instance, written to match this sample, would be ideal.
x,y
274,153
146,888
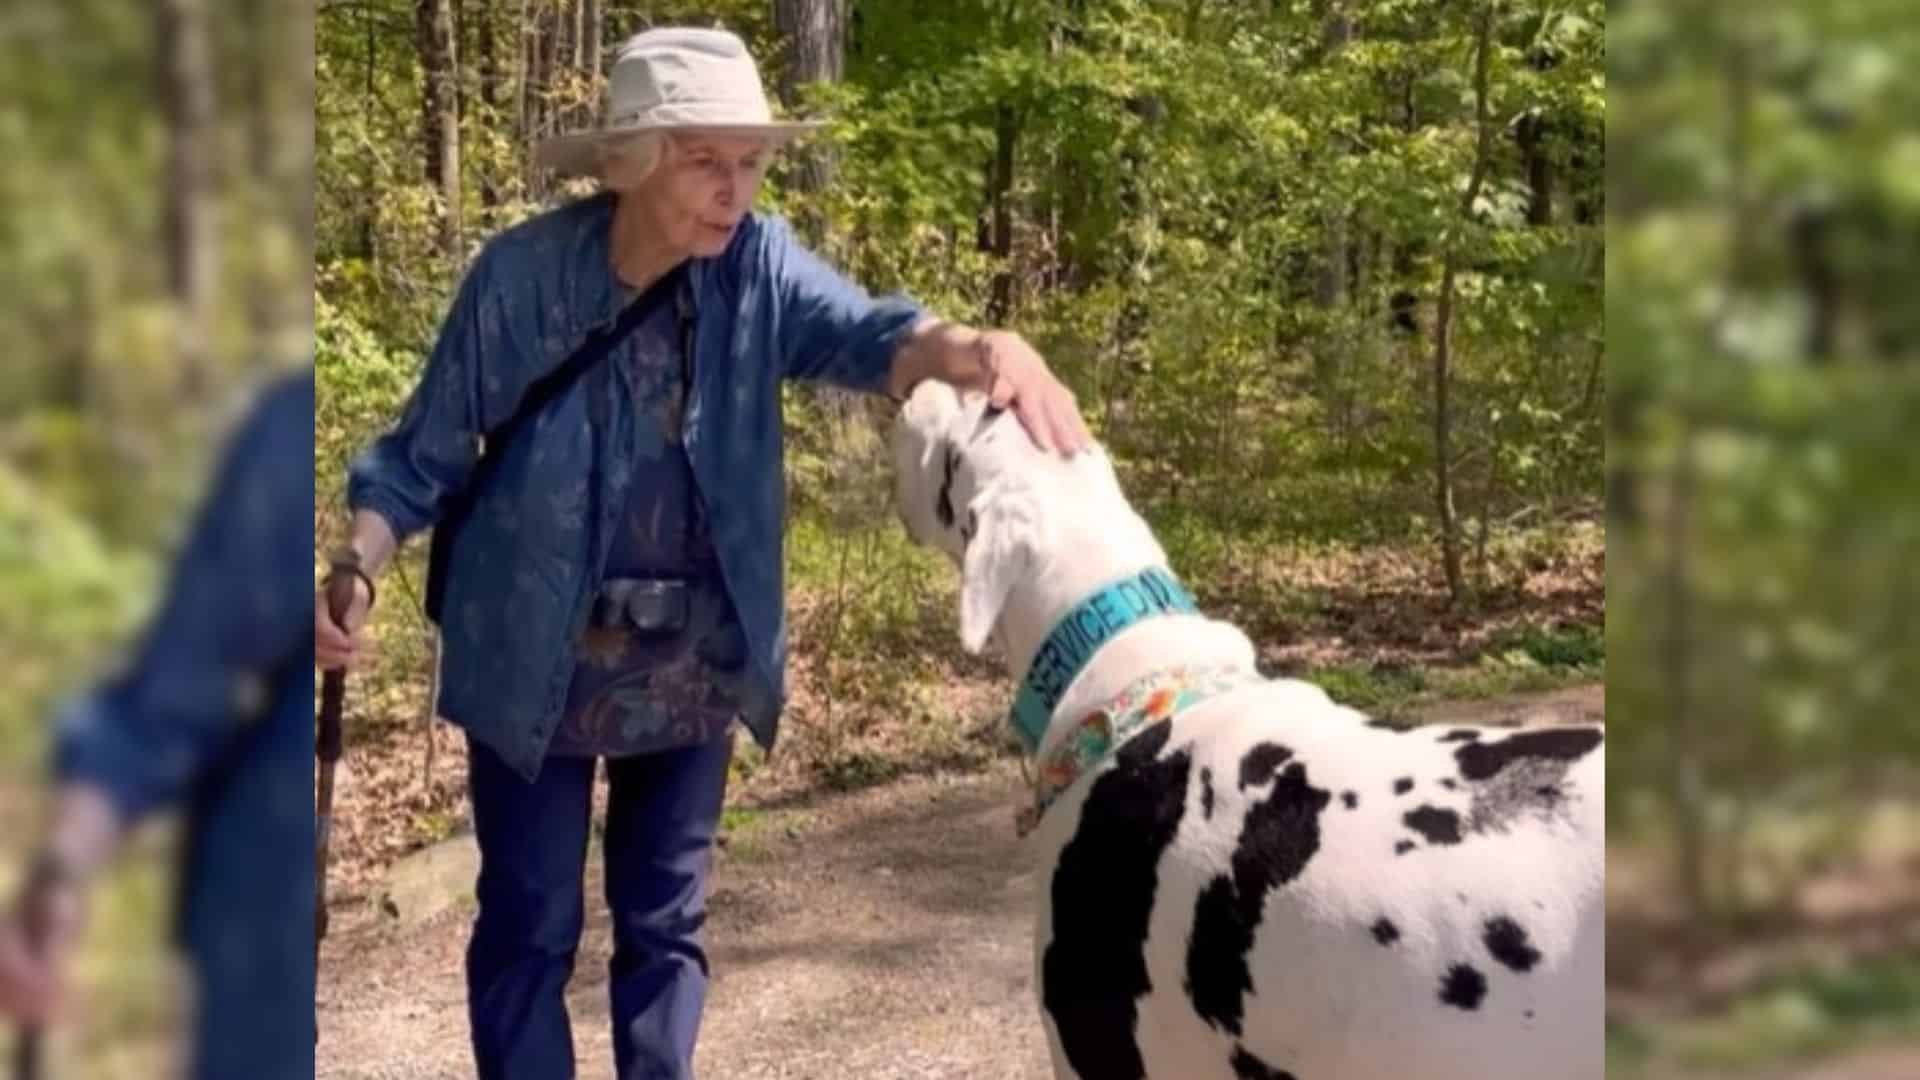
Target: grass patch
x,y
1526,660
1569,646
434,826
1801,1015
854,769
1494,677
1375,688
748,833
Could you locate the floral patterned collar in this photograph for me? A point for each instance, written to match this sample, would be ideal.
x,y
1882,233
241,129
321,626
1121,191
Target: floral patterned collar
x,y
1095,736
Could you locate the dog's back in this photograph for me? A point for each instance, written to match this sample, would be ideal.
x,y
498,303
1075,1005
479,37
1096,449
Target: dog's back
x,y
1269,886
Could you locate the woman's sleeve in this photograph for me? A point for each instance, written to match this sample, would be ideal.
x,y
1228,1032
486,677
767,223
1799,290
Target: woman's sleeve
x,y
235,626
830,330
408,474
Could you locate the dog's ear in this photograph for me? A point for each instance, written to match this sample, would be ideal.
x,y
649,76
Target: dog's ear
x,y
1001,541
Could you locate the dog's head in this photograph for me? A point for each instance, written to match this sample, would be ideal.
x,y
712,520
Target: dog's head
x,y
963,476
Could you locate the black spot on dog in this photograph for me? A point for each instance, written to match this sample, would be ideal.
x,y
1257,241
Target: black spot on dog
x,y
1447,783
1103,888
1206,794
1351,800
1463,987
1248,1067
1481,761
1507,941
1529,1014
1281,835
1438,824
1385,932
1403,785
1526,776
1404,846
943,509
1461,735
1260,764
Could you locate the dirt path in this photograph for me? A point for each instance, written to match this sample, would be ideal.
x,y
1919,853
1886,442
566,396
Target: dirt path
x,y
880,934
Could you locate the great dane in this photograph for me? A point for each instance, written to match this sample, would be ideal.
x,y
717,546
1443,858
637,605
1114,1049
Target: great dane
x,y
1240,877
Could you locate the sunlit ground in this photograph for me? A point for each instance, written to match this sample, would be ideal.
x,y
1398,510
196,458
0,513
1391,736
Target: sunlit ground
x,y
1819,978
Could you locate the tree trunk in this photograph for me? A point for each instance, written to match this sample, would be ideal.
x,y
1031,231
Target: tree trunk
x,y
531,34
370,194
1686,787
561,66
261,61
546,33
187,91
1443,322
1686,779
1531,134
1330,285
522,80
577,36
456,35
486,42
1070,177
595,19
815,35
1810,251
1000,202
294,162
1134,256
440,116
280,163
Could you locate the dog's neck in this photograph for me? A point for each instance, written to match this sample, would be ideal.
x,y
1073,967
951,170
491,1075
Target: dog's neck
x,y
1096,538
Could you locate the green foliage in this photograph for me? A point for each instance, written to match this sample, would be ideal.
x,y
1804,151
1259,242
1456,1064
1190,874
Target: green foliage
x,y
1576,646
1184,180
1178,173
62,594
1799,1014
360,384
1371,688
1761,263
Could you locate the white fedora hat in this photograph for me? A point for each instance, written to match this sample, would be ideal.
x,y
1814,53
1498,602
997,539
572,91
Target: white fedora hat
x,y
675,79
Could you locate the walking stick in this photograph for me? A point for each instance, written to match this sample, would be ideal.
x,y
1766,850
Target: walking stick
x,y
27,1055
329,743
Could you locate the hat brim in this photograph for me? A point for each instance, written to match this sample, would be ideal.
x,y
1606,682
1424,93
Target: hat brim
x,y
576,153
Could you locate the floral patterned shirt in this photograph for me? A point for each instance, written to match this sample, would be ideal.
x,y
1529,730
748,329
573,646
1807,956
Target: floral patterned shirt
x,y
632,693
522,576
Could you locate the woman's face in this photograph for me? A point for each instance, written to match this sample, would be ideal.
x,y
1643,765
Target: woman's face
x,y
702,187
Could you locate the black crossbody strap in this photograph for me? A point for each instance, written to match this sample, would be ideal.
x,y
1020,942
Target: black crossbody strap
x,y
542,391
596,346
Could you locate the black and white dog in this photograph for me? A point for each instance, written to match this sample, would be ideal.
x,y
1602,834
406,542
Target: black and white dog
x,y
1243,879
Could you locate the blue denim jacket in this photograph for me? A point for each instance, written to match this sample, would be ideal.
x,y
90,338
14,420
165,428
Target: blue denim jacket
x,y
521,578
214,714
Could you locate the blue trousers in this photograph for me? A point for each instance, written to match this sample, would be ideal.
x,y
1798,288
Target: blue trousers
x,y
663,810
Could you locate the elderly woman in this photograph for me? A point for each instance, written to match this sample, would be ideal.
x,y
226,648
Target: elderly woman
x,y
614,589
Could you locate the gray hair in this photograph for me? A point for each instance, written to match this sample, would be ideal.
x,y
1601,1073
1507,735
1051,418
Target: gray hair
x,y
646,149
